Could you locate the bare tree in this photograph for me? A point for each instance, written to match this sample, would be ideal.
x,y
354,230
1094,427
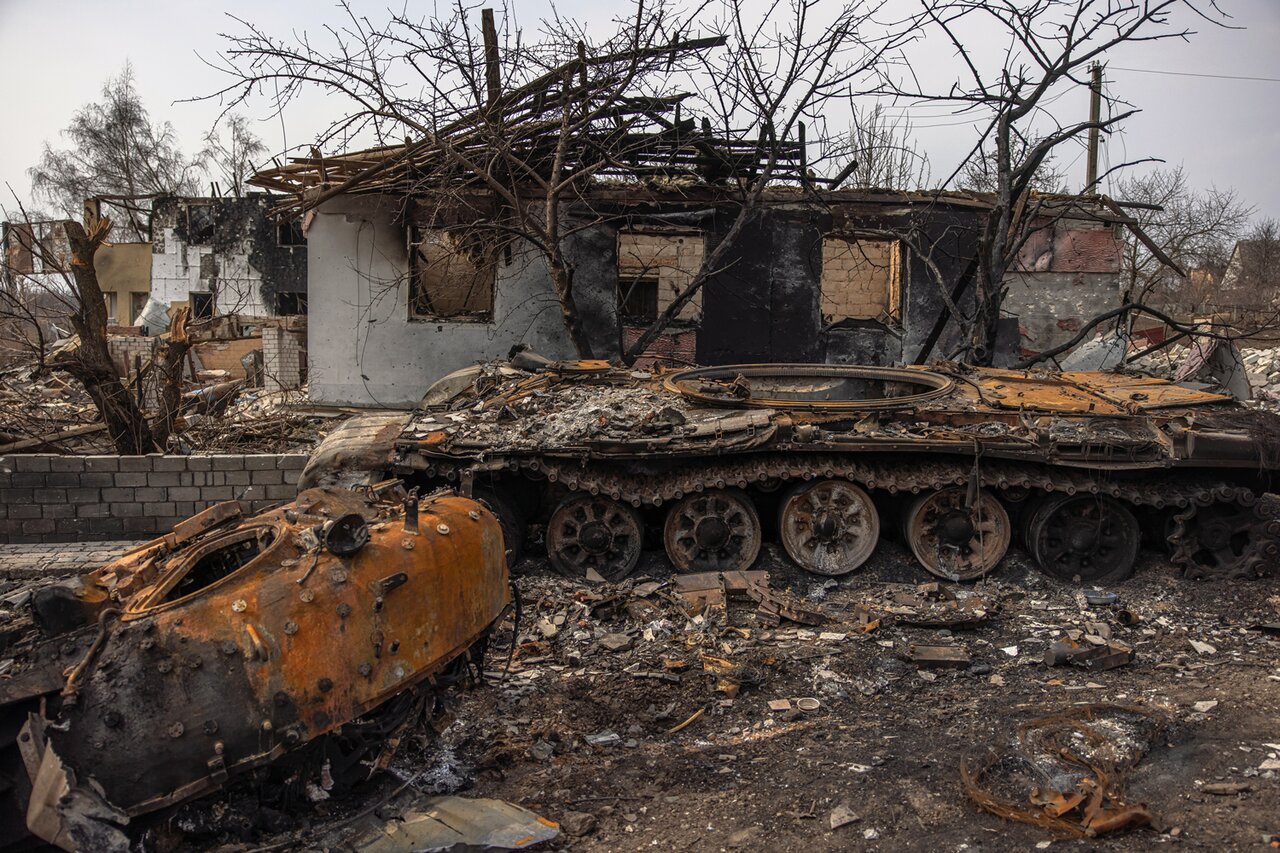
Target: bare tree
x,y
510,135
233,159
885,154
48,277
1194,228
980,173
1048,45
115,150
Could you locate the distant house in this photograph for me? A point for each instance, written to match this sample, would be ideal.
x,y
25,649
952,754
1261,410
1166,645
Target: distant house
x,y
1250,287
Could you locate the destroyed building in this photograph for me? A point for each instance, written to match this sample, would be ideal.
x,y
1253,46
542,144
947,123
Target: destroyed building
x,y
226,256
218,255
845,277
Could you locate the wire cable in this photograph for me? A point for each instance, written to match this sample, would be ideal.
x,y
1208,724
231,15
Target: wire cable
x,y
1191,74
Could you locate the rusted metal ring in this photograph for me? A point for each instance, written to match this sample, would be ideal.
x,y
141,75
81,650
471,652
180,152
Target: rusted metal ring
x,y
691,384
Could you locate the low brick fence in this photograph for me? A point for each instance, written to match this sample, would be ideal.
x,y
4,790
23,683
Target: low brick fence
x,y
47,498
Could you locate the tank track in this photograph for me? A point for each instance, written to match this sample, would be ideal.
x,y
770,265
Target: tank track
x,y
1154,490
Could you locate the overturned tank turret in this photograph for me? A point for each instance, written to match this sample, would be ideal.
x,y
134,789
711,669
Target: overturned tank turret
x,y
314,631
830,458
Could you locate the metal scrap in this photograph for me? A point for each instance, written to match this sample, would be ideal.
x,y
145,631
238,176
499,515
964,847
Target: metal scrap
x,y
1070,767
198,657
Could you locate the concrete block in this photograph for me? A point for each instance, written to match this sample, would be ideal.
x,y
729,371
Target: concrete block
x,y
251,493
136,463
150,494
25,510
33,463
228,463
214,494
160,509
282,493
70,526
139,524
184,509
195,478
199,463
50,496
292,477
102,463
267,478
169,463
260,463
103,525
62,479
184,493
25,539
112,496
63,510
165,480
84,496
239,478
292,461
99,480
98,510
32,481
67,463
126,510
132,478
39,525
13,497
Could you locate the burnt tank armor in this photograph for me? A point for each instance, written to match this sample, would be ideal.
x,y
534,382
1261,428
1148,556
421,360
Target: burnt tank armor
x,y
957,460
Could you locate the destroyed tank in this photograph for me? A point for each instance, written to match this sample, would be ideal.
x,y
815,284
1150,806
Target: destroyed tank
x,y
310,635
829,459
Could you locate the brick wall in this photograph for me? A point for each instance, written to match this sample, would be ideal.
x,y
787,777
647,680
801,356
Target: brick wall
x,y
860,279
47,498
124,348
673,259
282,359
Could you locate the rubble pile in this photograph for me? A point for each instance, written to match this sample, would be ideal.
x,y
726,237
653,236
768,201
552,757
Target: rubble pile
x,y
43,411
254,420
1262,365
40,410
631,712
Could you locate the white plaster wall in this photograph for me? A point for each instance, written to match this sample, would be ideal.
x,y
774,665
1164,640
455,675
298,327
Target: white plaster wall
x,y
175,273
1052,306
362,348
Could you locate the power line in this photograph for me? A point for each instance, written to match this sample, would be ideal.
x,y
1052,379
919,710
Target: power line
x,y
1189,74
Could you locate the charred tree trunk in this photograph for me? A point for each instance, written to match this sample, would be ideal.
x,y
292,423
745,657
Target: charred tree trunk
x,y
169,366
91,362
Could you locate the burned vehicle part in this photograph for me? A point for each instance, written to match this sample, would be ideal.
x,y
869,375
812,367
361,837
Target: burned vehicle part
x,y
323,624
955,458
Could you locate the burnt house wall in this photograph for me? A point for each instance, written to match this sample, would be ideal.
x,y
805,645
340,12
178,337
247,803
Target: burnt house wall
x,y
763,305
230,248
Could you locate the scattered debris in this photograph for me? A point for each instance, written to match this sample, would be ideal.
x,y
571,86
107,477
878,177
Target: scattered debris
x,y
939,656
413,823
1071,767
1099,656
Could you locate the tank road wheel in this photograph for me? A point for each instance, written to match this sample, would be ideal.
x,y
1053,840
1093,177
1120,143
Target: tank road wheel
x,y
1091,538
592,533
956,543
829,527
713,531
1224,540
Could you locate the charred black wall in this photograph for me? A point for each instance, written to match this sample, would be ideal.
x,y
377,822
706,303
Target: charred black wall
x,y
230,247
764,305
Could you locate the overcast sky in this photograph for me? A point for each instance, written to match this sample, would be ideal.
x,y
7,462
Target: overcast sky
x,y
1226,132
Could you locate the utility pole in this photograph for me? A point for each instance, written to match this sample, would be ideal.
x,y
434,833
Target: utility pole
x,y
491,79
1095,115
